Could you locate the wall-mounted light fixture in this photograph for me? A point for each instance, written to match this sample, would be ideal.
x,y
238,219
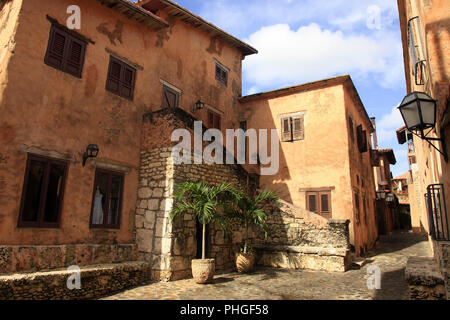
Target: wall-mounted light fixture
x,y
381,195
389,197
419,113
199,105
91,152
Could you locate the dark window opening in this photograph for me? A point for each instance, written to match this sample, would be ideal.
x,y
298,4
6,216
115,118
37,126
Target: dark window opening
x,y
43,192
65,52
121,78
107,199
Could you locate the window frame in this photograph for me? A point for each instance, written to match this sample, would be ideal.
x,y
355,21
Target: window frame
x,y
292,135
121,80
318,203
222,75
40,223
215,116
110,173
65,58
165,89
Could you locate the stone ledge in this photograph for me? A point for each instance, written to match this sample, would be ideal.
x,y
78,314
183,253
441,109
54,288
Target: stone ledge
x,y
96,281
423,271
425,282
304,250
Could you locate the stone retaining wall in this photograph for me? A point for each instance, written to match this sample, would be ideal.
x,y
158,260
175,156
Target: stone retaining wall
x,y
41,257
96,281
424,280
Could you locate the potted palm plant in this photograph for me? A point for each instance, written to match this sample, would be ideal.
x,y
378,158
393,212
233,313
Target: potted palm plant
x,y
204,201
251,211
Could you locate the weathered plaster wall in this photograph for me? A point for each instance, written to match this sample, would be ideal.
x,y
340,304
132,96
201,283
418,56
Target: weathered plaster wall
x,y
52,112
321,159
363,234
434,16
326,157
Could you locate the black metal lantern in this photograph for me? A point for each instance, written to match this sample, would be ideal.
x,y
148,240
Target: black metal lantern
x,y
91,152
418,110
199,104
389,197
381,195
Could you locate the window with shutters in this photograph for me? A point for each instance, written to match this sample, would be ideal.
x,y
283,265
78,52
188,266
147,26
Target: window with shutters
x,y
319,202
213,120
121,78
221,74
43,192
65,52
292,128
107,199
350,125
170,98
361,136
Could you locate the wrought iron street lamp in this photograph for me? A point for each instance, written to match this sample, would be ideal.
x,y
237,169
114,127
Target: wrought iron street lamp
x,y
199,104
419,114
91,152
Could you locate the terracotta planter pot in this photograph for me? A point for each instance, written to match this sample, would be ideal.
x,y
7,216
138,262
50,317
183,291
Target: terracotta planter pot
x,y
203,270
245,262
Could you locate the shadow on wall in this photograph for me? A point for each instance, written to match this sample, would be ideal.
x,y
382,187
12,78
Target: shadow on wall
x,y
263,117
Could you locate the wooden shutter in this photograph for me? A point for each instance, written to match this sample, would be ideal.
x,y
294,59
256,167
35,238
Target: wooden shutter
x,y
75,57
298,129
127,81
217,121
170,98
210,119
359,137
286,131
114,74
56,48
350,124
311,202
364,141
325,204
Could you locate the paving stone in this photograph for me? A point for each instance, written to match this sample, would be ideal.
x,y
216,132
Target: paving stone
x,y
390,255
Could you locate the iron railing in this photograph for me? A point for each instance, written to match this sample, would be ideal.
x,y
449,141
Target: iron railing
x,y
437,212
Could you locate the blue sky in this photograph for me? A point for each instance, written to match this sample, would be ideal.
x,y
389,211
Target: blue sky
x,y
307,40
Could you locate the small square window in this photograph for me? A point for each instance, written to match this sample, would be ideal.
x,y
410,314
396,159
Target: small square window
x,y
65,52
171,98
121,78
319,202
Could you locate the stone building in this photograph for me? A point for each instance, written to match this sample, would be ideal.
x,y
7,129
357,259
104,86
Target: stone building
x,y
426,50
123,82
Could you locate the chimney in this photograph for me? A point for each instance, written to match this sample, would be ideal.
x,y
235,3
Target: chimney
x,y
374,134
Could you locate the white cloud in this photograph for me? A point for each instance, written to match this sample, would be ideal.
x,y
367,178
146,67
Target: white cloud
x,y
311,53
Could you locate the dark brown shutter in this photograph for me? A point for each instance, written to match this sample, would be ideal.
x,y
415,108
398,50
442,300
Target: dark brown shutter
x,y
286,132
350,124
359,137
127,85
210,119
56,48
75,57
364,141
298,130
217,121
170,98
312,202
114,73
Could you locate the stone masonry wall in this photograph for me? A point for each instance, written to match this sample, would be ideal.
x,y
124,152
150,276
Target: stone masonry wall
x,y
35,258
170,247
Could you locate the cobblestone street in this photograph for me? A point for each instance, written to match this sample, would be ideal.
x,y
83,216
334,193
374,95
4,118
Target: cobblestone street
x,y
390,254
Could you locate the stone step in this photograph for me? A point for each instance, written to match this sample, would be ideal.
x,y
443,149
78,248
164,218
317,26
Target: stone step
x,y
95,281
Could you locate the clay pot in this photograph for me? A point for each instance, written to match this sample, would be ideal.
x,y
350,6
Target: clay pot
x,y
203,270
245,262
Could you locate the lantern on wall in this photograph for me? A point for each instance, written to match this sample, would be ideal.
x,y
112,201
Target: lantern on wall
x,y
91,152
418,111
